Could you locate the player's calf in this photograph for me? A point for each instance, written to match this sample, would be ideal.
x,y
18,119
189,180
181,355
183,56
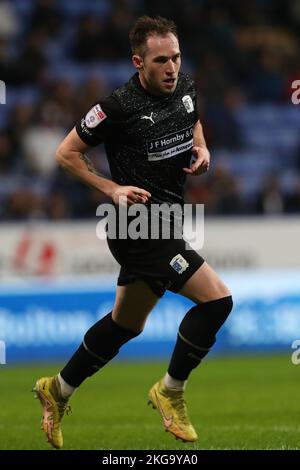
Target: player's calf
x,y
196,335
101,344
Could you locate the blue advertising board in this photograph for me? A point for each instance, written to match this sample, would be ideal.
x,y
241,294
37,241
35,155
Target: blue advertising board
x,y
46,321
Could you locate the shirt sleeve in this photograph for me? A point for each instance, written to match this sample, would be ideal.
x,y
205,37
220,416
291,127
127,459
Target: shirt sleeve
x,y
99,121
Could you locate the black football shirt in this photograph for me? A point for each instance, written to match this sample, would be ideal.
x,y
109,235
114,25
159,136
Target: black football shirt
x,y
147,138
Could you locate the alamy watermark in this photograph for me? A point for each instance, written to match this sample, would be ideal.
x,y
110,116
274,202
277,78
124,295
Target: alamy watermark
x,y
156,221
296,94
2,352
2,92
296,354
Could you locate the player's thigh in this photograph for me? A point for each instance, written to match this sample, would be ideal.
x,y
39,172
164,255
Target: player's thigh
x,y
204,285
133,304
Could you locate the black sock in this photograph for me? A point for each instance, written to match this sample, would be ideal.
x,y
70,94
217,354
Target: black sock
x,y
101,343
196,335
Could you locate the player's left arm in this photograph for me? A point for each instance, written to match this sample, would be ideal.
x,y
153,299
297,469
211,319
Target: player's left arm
x,y
200,152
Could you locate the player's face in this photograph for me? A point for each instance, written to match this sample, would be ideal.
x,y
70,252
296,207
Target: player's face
x,y
160,67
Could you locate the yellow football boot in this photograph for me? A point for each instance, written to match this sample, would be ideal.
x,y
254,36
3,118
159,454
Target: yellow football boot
x,y
47,390
172,408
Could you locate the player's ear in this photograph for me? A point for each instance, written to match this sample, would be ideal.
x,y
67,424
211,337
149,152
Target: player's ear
x,y
137,61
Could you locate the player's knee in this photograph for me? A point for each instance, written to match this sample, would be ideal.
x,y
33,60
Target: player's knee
x,y
225,292
215,291
218,292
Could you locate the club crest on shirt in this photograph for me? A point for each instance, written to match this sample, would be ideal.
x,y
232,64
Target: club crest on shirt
x,y
179,263
95,116
188,103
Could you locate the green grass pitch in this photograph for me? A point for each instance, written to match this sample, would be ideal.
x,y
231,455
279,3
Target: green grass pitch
x,y
234,403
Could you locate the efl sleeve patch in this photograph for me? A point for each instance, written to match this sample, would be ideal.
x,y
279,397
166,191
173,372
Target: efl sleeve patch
x,y
95,116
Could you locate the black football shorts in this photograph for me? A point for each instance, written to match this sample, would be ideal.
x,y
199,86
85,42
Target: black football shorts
x,y
162,264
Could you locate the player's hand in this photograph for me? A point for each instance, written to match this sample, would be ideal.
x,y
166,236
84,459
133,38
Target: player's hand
x,y
201,159
130,195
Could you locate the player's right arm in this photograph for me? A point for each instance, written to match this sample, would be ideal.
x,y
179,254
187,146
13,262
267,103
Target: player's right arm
x,y
71,156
